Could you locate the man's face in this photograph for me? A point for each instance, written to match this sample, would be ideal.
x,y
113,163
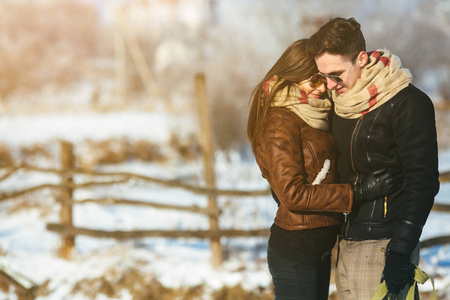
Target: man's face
x,y
348,71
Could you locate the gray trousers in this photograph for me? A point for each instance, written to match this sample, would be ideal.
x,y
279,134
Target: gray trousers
x,y
360,266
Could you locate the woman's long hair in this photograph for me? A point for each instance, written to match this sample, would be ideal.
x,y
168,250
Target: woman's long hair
x,y
293,66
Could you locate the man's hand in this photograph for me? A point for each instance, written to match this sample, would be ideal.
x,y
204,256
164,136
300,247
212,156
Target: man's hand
x,y
376,186
398,272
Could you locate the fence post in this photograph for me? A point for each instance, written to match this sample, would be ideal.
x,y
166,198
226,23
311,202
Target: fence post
x,y
208,161
137,54
67,163
120,60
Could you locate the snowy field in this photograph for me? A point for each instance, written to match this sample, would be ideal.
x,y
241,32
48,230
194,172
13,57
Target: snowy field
x,y
233,42
27,248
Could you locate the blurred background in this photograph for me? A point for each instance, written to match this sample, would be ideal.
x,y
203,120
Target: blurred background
x,y
117,80
57,55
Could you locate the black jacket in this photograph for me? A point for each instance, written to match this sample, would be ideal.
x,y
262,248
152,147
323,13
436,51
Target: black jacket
x,y
400,135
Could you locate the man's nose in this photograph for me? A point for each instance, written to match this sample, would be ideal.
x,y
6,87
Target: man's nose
x,y
331,84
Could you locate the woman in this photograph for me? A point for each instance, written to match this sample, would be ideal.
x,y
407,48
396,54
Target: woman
x,y
288,132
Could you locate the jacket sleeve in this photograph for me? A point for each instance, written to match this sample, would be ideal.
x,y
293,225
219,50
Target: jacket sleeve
x,y
414,129
280,158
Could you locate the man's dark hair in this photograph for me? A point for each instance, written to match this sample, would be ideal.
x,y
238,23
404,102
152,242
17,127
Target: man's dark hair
x,y
338,36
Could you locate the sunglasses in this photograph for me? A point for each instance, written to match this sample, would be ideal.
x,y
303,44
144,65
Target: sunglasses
x,y
317,80
335,78
323,77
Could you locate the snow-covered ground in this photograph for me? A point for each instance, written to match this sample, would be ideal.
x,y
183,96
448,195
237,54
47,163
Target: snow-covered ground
x,y
244,28
26,247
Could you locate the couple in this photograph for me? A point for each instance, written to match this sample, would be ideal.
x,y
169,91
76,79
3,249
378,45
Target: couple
x,y
377,134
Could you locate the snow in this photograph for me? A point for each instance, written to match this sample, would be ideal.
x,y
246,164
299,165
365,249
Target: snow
x,y
27,248
46,127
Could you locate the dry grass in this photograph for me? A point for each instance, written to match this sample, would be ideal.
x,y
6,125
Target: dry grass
x,y
140,285
187,148
237,292
5,156
118,150
42,201
36,151
145,150
91,154
3,252
41,41
229,123
443,125
4,286
95,153
144,287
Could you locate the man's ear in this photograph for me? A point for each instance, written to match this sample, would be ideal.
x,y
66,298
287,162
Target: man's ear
x,y
362,59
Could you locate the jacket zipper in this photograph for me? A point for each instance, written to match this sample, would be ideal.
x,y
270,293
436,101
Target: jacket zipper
x,y
385,207
347,226
351,149
374,204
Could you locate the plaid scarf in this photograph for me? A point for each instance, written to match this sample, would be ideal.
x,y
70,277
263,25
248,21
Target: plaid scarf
x,y
380,80
311,110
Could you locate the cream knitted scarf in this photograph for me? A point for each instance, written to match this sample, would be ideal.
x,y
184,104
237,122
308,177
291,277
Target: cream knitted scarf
x,y
380,80
311,110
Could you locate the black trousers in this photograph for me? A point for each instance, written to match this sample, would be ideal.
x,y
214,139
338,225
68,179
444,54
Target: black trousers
x,y
293,280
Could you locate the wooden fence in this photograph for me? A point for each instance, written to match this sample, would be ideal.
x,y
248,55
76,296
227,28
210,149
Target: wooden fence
x,y
67,186
68,232
68,172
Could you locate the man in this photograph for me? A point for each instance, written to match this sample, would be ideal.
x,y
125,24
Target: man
x,y
380,122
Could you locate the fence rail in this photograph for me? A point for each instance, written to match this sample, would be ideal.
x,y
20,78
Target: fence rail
x,y
123,235
67,186
68,229
125,177
443,177
68,232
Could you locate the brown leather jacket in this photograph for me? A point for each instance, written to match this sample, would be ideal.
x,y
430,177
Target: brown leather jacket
x,y
290,154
